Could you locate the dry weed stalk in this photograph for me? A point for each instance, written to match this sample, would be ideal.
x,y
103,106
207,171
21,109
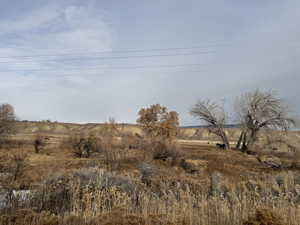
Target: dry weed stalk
x,y
94,193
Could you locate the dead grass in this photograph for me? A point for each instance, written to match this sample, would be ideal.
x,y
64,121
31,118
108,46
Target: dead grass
x,y
264,217
226,189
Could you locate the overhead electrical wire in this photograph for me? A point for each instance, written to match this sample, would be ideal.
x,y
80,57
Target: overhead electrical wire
x,y
105,52
108,68
21,63
100,73
113,57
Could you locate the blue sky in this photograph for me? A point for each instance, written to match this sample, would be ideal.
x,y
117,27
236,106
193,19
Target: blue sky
x,y
75,61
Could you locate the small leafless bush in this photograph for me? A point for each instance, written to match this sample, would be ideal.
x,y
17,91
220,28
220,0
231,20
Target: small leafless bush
x,y
160,149
83,146
111,153
106,146
18,161
112,146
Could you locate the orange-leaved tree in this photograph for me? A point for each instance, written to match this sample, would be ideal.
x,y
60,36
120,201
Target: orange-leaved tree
x,y
157,121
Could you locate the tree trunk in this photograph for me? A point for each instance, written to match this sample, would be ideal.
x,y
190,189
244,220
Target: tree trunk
x,y
252,139
245,142
225,140
221,133
239,143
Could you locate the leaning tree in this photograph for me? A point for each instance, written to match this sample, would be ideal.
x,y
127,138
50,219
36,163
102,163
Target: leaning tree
x,y
214,116
260,110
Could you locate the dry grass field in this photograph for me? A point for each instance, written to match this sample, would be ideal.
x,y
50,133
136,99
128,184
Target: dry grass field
x,y
195,184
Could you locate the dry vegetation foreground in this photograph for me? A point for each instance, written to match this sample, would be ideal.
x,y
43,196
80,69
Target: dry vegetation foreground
x,y
153,182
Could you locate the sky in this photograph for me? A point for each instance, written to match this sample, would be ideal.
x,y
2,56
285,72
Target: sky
x,y
85,61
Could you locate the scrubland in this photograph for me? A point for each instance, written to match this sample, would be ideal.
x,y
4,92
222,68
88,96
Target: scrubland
x,y
128,179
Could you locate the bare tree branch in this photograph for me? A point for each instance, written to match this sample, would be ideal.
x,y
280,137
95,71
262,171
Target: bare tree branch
x,y
214,116
261,110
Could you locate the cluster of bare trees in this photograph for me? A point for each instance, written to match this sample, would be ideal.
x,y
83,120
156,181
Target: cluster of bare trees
x,y
255,111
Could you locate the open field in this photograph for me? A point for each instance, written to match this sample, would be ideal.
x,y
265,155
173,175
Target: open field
x,y
200,184
149,112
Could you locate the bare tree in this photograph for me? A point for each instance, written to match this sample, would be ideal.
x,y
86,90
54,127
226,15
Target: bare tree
x,y
260,110
214,116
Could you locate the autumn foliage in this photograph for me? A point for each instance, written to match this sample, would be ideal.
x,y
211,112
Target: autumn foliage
x,y
157,121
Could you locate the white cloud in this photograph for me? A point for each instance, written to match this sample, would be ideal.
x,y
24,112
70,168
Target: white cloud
x,y
43,81
68,90
30,21
72,28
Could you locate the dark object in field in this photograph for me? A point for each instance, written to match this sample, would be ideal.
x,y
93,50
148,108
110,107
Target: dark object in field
x,y
221,146
37,146
39,143
132,147
250,152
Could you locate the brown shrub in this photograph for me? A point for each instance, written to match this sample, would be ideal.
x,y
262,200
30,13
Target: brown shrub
x,y
14,166
187,166
81,145
264,217
160,149
28,217
116,217
39,143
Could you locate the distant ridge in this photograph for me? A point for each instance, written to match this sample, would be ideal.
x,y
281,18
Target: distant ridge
x,y
205,126
120,124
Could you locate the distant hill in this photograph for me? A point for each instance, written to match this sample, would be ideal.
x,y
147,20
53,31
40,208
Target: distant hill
x,y
205,126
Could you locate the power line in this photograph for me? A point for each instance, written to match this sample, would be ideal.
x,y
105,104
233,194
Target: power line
x,y
115,57
159,72
105,52
108,68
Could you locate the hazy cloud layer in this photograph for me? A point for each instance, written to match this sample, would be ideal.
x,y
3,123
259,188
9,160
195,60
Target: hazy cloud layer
x,y
244,45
